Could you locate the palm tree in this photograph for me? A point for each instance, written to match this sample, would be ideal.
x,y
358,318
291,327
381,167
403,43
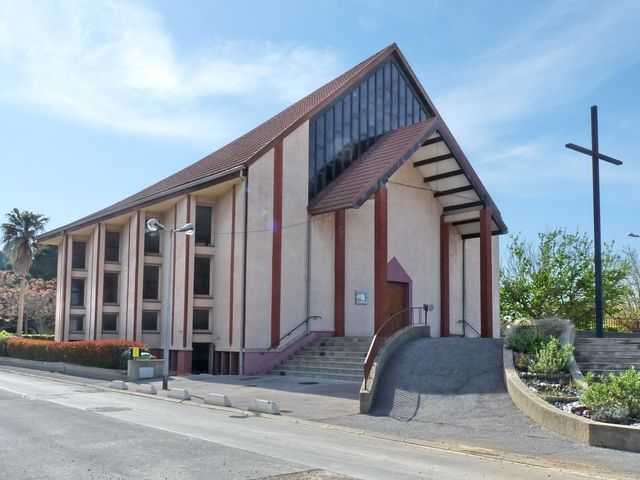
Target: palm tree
x,y
19,238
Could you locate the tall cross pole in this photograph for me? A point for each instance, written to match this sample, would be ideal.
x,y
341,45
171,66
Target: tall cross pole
x,y
596,156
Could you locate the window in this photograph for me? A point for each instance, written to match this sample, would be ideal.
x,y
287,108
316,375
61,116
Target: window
x,y
77,292
151,282
78,255
345,130
76,323
110,288
152,243
149,321
109,322
202,276
203,225
112,247
201,319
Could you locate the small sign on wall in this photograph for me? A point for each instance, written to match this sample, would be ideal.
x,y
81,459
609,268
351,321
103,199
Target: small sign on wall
x,y
361,297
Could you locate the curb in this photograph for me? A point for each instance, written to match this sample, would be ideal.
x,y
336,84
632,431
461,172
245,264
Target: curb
x,y
584,430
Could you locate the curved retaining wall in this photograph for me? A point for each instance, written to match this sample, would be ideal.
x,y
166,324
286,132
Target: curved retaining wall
x,y
619,437
369,385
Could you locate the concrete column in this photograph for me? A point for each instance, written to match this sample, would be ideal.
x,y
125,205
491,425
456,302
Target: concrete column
x,y
444,278
381,290
339,269
486,277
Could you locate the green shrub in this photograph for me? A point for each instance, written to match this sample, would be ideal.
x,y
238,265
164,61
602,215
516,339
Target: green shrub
x,y
551,358
90,353
523,339
4,336
611,414
615,390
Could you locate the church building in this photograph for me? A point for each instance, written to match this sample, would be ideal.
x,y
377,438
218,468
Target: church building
x,y
349,206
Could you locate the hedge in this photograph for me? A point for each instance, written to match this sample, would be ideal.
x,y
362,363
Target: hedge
x,y
90,353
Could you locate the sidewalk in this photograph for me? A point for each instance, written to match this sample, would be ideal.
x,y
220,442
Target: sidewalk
x,y
313,399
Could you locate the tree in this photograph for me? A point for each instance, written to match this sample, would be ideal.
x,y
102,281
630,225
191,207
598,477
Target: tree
x,y
556,278
39,304
19,236
45,263
4,262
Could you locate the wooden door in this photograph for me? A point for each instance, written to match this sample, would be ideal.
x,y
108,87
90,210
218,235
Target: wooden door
x,y
398,297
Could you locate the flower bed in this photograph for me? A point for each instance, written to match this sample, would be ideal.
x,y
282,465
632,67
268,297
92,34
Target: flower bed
x,y
543,365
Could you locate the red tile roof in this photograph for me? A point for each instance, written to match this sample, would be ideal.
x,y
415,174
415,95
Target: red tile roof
x,y
226,162
242,151
361,179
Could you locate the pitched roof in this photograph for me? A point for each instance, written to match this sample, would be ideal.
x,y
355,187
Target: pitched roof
x,y
230,160
240,152
362,178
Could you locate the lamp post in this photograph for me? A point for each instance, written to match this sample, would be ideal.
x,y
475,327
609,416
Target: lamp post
x,y
154,225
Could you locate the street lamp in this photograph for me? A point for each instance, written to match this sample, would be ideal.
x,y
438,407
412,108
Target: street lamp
x,y
633,235
154,225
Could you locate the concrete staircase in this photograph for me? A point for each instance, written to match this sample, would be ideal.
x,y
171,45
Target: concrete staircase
x,y
337,358
607,355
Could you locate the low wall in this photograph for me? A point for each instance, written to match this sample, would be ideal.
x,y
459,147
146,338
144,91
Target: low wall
x,y
259,363
619,437
66,368
369,385
143,368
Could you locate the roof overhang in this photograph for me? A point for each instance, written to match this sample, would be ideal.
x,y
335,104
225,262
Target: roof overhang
x,y
445,169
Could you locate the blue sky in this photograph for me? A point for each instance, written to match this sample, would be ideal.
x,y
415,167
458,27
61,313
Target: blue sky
x,y
101,99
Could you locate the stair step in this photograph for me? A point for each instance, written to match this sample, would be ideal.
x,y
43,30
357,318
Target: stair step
x,y
295,362
335,376
331,354
316,369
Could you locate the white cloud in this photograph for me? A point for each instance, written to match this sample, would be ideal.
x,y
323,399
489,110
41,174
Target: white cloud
x,y
114,64
551,61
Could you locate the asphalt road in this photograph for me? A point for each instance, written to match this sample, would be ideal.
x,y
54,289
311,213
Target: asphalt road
x,y
53,429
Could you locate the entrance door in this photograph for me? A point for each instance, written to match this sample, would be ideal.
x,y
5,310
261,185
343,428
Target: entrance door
x,y
398,300
200,359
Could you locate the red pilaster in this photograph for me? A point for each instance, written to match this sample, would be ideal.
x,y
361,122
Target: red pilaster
x,y
486,277
232,261
276,257
381,294
339,269
183,362
444,278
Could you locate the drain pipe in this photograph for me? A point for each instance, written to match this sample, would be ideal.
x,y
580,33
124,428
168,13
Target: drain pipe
x,y
244,174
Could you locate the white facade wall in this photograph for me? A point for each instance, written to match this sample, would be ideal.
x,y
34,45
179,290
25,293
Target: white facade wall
x,y
359,269
295,180
414,237
259,252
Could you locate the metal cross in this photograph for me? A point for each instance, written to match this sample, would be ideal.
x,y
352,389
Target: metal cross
x,y
595,157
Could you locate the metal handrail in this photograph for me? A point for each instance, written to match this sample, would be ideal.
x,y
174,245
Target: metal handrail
x,y
464,330
392,326
305,321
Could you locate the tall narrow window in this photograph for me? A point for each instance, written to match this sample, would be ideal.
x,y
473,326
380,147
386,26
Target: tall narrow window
x,y
76,323
110,289
77,292
112,247
152,243
151,282
203,225
149,321
202,276
201,319
110,322
78,255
